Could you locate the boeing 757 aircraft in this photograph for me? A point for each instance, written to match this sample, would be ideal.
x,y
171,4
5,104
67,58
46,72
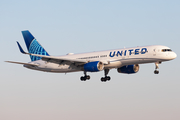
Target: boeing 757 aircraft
x,y
125,60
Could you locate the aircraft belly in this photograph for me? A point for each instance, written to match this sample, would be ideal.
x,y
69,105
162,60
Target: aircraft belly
x,y
131,61
113,64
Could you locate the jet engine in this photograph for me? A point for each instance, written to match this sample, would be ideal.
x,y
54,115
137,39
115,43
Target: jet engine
x,y
94,66
129,69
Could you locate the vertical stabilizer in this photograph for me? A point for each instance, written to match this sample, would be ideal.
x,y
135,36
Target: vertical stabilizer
x,y
33,46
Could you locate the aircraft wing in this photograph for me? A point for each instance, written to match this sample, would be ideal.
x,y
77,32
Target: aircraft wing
x,y
54,59
22,63
60,60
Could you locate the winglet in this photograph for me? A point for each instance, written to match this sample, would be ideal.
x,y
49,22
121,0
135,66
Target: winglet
x,y
20,48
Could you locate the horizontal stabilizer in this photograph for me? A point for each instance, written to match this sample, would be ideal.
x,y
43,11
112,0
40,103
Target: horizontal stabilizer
x,y
22,63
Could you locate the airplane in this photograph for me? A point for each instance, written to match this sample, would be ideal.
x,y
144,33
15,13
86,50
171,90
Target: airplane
x,y
125,60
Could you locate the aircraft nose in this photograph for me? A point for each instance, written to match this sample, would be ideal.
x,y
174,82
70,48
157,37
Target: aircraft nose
x,y
174,55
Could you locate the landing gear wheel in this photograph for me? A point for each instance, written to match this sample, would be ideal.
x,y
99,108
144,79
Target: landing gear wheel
x,y
157,67
156,72
87,77
108,78
103,79
83,78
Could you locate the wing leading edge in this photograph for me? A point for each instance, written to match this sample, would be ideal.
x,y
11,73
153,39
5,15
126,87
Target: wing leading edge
x,y
22,63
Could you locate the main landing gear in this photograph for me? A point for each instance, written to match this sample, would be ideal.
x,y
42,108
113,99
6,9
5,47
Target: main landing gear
x,y
157,67
85,77
106,78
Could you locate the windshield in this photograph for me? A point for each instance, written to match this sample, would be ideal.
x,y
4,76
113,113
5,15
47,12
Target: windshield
x,y
165,50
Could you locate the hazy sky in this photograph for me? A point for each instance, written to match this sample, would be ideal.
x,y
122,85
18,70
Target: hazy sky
x,y
83,26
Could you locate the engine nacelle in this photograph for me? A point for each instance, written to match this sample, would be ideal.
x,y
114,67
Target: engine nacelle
x,y
94,66
129,69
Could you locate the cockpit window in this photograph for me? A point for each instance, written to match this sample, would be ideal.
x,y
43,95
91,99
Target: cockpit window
x,y
165,50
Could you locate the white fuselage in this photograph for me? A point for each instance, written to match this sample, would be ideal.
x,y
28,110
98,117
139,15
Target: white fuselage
x,y
111,58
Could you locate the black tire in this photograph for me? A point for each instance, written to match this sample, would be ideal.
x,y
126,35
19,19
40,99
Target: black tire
x,y
156,72
83,78
103,79
108,78
88,77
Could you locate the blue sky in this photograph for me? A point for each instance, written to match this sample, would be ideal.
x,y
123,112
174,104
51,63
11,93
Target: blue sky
x,y
83,26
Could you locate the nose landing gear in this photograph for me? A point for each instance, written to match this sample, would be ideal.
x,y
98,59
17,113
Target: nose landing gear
x,y
157,67
156,72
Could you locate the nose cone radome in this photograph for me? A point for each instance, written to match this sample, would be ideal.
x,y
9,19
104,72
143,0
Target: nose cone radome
x,y
173,55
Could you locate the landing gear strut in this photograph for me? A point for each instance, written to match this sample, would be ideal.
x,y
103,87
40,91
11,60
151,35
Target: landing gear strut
x,y
85,77
106,78
157,67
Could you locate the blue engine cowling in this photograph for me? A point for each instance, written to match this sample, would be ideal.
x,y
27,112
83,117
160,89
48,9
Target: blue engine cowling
x,y
129,69
94,66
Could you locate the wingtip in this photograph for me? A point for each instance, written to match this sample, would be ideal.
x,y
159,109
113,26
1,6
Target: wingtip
x,y
20,48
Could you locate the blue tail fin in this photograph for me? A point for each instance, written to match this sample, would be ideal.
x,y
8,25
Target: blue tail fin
x,y
33,46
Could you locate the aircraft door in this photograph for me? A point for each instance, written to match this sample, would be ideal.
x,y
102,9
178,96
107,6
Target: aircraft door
x,y
154,51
